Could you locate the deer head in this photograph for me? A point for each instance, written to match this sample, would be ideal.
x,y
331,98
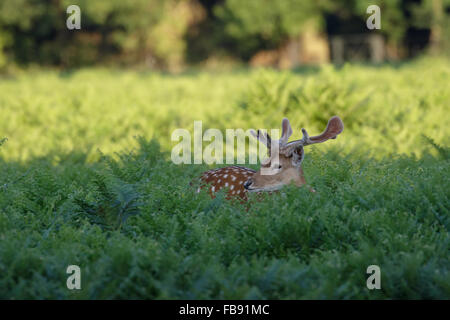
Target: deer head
x,y
285,158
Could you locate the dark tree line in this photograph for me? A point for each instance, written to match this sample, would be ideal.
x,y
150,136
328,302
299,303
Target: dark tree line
x,y
173,33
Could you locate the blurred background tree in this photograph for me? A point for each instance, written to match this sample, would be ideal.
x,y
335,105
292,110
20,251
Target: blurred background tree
x,y
434,15
171,34
142,31
394,19
256,24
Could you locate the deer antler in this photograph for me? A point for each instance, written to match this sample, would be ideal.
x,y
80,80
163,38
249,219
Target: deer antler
x,y
334,127
263,137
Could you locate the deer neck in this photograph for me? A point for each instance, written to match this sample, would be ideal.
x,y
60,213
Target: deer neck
x,y
300,179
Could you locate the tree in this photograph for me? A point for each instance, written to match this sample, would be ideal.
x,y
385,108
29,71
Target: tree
x,y
435,15
33,31
256,24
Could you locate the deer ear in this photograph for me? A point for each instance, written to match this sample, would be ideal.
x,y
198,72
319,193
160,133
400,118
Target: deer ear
x,y
286,131
297,156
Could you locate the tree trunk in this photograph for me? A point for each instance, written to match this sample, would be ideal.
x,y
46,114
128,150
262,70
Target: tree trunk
x,y
436,26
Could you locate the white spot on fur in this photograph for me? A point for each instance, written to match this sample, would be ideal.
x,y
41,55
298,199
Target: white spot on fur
x,y
225,176
232,187
226,184
213,188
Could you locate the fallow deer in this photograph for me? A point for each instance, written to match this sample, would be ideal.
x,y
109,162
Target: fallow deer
x,y
281,168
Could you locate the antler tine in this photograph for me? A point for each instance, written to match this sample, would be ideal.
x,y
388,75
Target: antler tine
x,y
262,137
334,127
286,131
305,140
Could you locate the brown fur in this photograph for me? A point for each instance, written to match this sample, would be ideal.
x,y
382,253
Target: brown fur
x,y
231,178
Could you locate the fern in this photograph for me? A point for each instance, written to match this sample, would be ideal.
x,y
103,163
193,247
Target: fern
x,y
137,229
444,152
115,202
3,141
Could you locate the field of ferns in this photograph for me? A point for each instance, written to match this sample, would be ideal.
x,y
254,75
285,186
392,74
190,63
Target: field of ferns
x,y
86,179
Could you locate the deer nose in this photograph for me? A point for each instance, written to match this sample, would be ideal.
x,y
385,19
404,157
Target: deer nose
x,y
248,183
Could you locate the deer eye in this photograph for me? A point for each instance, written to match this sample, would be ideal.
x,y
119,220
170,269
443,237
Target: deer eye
x,y
279,166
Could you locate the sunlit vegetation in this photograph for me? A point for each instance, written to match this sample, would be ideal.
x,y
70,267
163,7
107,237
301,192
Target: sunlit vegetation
x,y
78,187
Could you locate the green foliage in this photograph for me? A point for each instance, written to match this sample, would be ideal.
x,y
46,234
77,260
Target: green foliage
x,y
393,19
444,152
137,229
256,24
397,16
122,30
169,33
393,213
435,15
